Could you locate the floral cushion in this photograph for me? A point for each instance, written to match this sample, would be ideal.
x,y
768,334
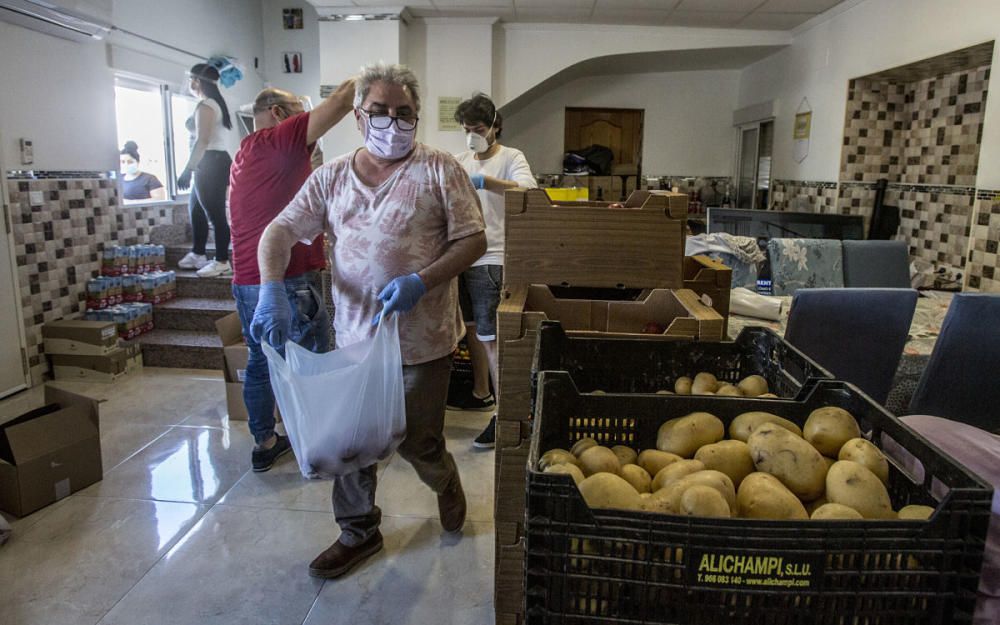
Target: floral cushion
x,y
744,274
805,264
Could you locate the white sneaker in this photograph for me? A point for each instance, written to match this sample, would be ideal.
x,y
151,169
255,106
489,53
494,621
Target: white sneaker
x,y
192,261
216,269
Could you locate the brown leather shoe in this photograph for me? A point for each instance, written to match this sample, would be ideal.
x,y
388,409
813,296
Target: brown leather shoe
x,y
451,507
338,559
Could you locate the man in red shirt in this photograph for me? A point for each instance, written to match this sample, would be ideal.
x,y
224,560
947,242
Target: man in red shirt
x,y
270,167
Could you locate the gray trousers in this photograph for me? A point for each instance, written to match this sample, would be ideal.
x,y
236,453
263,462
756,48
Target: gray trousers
x,y
426,389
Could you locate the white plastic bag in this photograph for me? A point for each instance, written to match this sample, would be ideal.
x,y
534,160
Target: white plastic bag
x,y
343,410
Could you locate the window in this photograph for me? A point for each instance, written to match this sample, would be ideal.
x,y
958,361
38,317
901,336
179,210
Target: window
x,y
153,117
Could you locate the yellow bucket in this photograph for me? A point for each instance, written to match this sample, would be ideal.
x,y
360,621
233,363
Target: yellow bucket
x,y
568,194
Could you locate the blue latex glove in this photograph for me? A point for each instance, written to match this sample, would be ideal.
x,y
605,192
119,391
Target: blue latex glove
x,y
272,320
184,180
400,295
478,181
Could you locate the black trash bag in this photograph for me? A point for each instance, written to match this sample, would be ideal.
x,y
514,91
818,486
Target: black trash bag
x,y
595,160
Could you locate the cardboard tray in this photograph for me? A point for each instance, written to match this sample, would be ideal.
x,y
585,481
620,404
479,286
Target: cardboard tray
x,y
588,243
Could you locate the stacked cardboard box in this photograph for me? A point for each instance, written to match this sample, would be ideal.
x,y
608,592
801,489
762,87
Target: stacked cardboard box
x,y
235,355
89,350
584,244
49,452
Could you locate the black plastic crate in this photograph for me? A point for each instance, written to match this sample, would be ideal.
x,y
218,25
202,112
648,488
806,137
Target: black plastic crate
x,y
623,365
615,566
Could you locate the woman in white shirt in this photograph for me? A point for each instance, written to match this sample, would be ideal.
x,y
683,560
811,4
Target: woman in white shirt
x,y
210,163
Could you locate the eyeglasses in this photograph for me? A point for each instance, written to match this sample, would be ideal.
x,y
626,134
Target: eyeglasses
x,y
381,121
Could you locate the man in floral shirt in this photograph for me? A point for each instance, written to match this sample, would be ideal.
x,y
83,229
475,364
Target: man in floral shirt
x,y
403,220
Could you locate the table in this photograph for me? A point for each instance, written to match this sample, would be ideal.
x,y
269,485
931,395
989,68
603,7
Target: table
x,y
924,330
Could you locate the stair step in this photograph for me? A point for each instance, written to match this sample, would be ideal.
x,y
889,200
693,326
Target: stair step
x,y
181,349
190,285
176,252
192,313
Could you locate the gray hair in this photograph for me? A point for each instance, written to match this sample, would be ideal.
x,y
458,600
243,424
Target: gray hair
x,y
392,74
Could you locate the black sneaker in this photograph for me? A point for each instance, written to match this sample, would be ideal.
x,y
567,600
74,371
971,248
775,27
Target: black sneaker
x,y
488,438
264,459
471,402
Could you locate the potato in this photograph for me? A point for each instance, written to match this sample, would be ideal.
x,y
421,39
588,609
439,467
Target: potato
x,y
855,486
582,445
556,456
684,435
828,462
599,460
713,479
753,386
863,452
704,383
626,455
763,496
655,503
664,391
915,513
683,385
673,472
768,396
703,501
812,506
653,460
637,477
830,511
728,390
567,469
730,457
606,490
789,458
744,425
829,428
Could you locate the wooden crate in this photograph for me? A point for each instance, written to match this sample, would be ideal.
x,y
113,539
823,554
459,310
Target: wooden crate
x,y
712,281
508,594
506,618
511,488
590,244
523,308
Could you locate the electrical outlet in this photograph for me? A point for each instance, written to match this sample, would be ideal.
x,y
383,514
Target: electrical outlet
x,y
27,152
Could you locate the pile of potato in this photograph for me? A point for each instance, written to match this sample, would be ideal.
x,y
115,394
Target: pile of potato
x,y
707,384
768,468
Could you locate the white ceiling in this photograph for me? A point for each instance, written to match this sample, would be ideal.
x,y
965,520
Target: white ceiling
x,y
749,14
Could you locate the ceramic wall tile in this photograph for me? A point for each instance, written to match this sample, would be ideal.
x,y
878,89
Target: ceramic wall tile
x,y
983,269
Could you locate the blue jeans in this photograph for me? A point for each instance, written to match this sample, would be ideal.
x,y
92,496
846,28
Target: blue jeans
x,y
310,329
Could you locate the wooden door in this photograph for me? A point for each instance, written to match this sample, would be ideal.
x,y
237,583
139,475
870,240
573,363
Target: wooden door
x,y
618,129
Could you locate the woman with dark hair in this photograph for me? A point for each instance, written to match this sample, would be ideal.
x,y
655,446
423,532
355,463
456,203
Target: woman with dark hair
x,y
210,163
137,184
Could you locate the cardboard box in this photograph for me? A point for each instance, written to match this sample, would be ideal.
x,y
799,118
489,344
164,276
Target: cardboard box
x,y
80,337
235,355
106,368
590,244
50,452
682,314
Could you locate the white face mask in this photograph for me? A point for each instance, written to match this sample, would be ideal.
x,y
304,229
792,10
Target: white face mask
x,y
391,143
477,142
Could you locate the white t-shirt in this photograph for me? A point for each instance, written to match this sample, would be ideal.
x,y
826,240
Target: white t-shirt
x,y
506,164
379,233
217,141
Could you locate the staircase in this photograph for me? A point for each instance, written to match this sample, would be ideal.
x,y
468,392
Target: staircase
x,y
185,334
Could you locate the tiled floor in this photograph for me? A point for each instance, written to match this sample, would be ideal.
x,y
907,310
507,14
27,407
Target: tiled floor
x,y
180,531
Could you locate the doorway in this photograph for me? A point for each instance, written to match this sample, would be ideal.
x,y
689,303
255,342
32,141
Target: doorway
x,y
620,130
753,165
13,373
